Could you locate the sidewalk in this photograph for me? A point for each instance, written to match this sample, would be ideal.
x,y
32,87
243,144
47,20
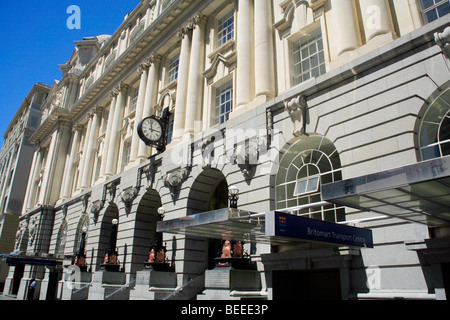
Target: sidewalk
x,y
3,297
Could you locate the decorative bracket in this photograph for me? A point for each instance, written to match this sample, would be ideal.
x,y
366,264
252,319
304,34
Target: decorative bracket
x,y
443,41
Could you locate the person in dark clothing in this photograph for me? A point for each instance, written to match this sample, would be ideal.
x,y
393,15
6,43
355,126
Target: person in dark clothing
x,y
31,289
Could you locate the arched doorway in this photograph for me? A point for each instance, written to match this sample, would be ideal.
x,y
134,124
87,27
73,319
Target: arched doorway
x,y
111,213
145,228
209,192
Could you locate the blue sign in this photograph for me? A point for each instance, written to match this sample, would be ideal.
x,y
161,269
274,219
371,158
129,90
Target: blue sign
x,y
288,225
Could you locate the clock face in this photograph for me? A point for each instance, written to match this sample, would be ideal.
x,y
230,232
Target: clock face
x,y
151,129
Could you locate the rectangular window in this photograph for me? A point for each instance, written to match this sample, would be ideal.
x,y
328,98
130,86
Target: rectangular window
x,y
173,69
134,98
434,9
308,57
224,102
126,153
170,129
225,29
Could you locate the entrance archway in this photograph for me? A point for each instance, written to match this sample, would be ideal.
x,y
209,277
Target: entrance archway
x,y
111,213
209,192
145,228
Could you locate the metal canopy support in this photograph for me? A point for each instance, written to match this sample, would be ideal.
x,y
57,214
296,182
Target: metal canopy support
x,y
419,192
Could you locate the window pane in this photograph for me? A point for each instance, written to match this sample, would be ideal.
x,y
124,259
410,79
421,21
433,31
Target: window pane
x,y
426,3
444,132
313,185
430,152
443,9
445,148
431,16
300,187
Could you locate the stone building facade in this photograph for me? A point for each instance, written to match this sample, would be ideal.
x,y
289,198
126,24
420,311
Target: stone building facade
x,y
15,163
298,104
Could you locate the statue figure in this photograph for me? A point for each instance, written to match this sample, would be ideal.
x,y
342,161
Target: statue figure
x,y
113,259
160,256
226,250
237,250
105,261
151,259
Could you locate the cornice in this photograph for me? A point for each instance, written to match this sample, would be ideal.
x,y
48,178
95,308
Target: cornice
x,y
163,27
47,126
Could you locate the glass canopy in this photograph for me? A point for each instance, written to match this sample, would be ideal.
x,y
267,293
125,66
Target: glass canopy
x,y
419,192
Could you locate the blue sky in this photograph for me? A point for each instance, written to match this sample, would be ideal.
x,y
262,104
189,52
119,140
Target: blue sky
x,y
35,39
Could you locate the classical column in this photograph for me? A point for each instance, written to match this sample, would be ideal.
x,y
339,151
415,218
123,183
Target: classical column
x,y
54,165
135,141
70,169
32,181
345,35
244,83
195,85
264,56
84,153
183,76
90,145
376,16
113,148
112,108
151,95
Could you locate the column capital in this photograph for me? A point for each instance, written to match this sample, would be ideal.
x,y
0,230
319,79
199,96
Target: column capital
x,y
98,109
122,87
143,67
114,93
199,19
186,29
76,127
153,58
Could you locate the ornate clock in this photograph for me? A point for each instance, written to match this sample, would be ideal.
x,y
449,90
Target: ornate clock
x,y
151,130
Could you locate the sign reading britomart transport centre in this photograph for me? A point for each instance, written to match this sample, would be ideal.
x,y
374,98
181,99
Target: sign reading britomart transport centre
x,y
286,225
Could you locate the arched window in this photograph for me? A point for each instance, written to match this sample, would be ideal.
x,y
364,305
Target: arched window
x,y
61,240
434,131
304,167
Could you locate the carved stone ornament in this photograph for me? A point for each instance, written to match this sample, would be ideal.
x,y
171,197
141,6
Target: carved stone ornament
x,y
149,172
32,228
296,108
207,147
96,207
64,211
85,201
174,179
19,235
245,155
128,197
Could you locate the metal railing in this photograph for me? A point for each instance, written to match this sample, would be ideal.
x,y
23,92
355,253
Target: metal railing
x,y
184,286
120,289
